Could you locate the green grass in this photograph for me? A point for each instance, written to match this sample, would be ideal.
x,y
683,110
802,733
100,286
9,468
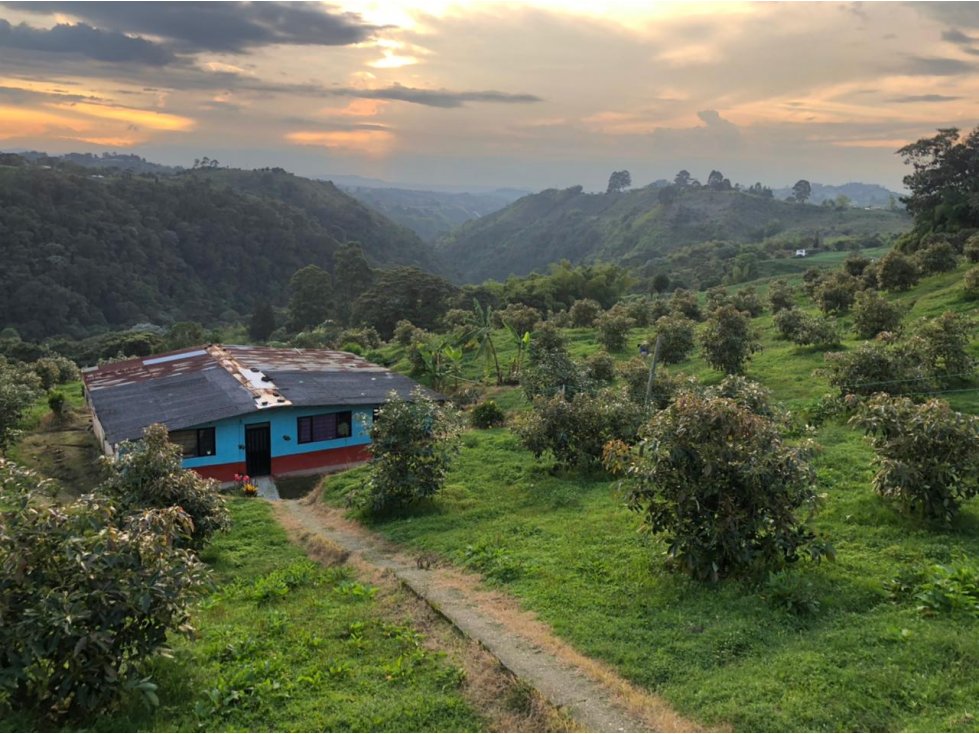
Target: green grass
x,y
287,645
730,654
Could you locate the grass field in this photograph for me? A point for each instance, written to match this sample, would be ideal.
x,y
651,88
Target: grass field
x,y
855,654
287,645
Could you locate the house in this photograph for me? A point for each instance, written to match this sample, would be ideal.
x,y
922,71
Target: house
x,y
240,409
800,253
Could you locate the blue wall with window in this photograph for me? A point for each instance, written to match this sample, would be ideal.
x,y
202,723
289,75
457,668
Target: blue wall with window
x,y
229,434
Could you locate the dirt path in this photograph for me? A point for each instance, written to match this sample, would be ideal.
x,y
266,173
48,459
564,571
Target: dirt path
x,y
593,695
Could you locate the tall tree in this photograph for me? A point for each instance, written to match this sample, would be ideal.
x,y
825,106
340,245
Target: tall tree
x,y
262,323
352,275
682,179
310,297
619,180
802,191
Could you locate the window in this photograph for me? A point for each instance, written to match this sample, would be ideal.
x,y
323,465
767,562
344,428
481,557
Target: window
x,y
195,442
324,427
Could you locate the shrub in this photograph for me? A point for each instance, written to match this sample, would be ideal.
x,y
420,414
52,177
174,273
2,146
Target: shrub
x,y
551,373
545,338
788,322
781,296
749,394
367,337
613,328
803,329
836,293
747,300
47,371
575,431
684,303
971,284
86,597
519,317
487,415
404,332
855,264
950,589
677,338
413,442
872,314
454,318
941,345
559,319
638,309
875,367
938,257
658,308
716,297
56,402
727,341
19,387
971,248
895,272
584,311
601,367
927,455
719,482
665,387
148,475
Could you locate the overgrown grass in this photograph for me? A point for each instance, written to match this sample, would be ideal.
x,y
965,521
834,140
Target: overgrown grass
x,y
838,646
287,645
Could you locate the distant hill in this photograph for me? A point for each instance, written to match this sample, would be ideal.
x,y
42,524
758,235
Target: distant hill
x,y
121,161
84,252
859,194
432,214
633,227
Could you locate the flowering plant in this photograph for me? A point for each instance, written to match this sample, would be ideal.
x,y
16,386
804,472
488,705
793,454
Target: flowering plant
x,y
245,485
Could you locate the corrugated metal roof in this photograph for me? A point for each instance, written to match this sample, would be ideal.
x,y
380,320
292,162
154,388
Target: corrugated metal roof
x,y
201,385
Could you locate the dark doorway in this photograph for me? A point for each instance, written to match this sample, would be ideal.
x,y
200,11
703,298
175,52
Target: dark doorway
x,y
258,450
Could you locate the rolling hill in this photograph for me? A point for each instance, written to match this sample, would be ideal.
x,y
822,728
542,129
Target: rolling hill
x,y
634,227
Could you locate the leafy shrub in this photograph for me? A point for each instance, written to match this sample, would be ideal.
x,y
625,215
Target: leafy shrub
x,y
584,312
971,284
747,300
404,332
665,387
927,455
781,296
519,317
454,318
716,297
19,387
788,322
748,394
895,272
367,337
86,596
575,431
56,402
872,314
677,338
551,373
352,348
47,371
723,487
601,367
836,293
875,367
487,415
938,257
613,328
855,264
560,319
971,248
684,303
727,341
951,589
413,442
804,329
148,475
638,309
941,345
545,338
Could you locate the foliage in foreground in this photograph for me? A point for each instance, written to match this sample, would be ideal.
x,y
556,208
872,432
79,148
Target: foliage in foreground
x,y
928,455
87,595
724,488
413,442
148,475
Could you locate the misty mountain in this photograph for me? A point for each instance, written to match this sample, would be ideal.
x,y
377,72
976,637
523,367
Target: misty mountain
x,y
120,161
633,227
432,214
859,194
84,252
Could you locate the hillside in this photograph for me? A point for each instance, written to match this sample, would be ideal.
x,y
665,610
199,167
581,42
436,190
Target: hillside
x,y
431,214
86,252
634,227
859,194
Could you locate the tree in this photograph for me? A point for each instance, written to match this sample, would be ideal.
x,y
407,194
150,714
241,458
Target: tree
x,y
352,275
836,293
613,328
723,487
928,455
404,293
661,282
262,323
310,297
584,311
413,443
941,346
618,181
480,336
801,191
717,182
676,336
19,388
781,296
726,341
895,272
682,179
872,314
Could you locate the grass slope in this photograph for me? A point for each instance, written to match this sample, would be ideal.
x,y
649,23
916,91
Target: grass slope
x,y
729,655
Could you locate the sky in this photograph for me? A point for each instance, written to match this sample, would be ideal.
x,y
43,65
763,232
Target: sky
x,y
486,93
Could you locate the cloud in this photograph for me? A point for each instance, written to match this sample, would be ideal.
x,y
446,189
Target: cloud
x,y
443,98
936,66
910,99
86,41
961,14
218,26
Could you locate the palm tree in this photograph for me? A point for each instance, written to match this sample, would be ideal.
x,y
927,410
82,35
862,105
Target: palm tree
x,y
480,335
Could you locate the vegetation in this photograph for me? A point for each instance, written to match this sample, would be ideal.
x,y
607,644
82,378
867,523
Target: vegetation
x,y
727,341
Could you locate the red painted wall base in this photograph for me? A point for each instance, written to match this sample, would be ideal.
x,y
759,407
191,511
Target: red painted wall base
x,y
294,464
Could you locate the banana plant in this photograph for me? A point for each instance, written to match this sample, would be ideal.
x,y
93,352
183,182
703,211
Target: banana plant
x,y
521,342
480,336
442,361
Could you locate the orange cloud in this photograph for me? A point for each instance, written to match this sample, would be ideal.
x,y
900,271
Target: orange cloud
x,y
142,118
373,143
357,108
20,122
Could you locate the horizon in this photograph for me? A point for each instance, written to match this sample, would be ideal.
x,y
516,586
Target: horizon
x,y
487,95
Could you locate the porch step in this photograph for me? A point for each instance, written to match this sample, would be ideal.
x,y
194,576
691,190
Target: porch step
x,y
266,488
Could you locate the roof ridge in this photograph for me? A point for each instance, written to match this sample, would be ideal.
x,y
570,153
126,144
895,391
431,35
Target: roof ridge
x,y
264,392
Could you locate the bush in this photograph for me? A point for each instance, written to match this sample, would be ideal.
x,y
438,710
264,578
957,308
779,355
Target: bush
x,y
639,310
727,341
487,415
19,388
836,293
803,329
575,431
454,318
855,264
404,332
951,589
684,303
781,296
665,387
895,272
971,284
941,345
938,257
584,311
927,455
677,338
413,442
520,317
747,300
971,249
719,482
788,322
86,597
791,592
601,367
551,373
872,314
613,328
148,475
366,337
875,367
544,339
56,402
749,394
